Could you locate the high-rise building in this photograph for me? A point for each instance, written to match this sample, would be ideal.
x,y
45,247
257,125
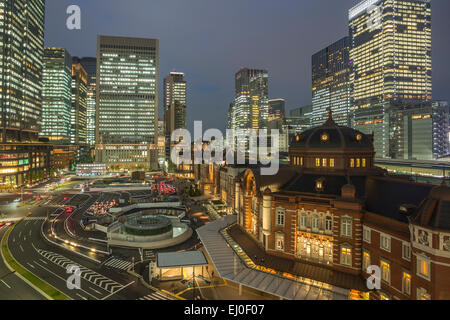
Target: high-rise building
x,y
90,65
331,82
79,105
174,102
22,158
276,109
57,95
390,57
127,102
305,111
251,104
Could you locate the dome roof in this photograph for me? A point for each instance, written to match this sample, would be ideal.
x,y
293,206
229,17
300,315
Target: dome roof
x,y
332,136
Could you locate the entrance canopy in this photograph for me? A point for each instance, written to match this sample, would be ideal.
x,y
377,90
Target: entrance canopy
x,y
181,259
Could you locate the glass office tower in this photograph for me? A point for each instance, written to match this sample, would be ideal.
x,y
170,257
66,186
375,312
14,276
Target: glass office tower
x,y
391,66
57,95
174,102
22,159
79,105
277,109
331,83
127,102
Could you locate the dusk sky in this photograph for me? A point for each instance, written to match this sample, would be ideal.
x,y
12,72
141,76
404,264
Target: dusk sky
x,y
210,40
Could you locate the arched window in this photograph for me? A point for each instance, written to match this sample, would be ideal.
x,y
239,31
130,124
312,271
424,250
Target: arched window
x,y
328,224
315,222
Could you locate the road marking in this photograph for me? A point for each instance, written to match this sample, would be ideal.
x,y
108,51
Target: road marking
x,y
43,261
95,290
20,234
5,284
118,290
25,238
30,233
155,296
31,265
81,296
21,248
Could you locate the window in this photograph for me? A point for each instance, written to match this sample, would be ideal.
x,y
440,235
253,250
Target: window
x,y
332,163
423,267
358,163
279,241
324,162
364,162
385,242
384,296
385,271
346,227
346,256
280,218
422,294
406,251
303,220
315,222
366,261
317,162
328,224
352,163
301,161
366,234
406,283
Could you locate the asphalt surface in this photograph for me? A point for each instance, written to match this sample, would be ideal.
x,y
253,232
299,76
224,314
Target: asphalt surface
x,y
11,286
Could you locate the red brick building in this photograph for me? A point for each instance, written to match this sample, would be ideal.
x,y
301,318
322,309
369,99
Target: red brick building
x,y
332,210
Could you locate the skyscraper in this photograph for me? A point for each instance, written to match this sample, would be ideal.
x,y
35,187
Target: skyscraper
x,y
79,105
22,158
276,109
331,83
127,102
391,66
57,95
21,68
90,65
174,102
251,103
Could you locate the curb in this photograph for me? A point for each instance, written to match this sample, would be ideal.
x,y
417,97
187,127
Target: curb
x,y
18,274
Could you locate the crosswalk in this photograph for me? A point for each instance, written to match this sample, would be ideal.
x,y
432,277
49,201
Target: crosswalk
x,y
118,264
93,277
155,296
34,218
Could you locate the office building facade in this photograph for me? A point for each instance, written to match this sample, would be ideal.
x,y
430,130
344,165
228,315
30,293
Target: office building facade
x,y
22,158
174,102
276,109
331,82
57,95
79,105
390,57
127,102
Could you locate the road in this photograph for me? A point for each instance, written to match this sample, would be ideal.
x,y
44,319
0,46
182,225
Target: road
x,y
11,286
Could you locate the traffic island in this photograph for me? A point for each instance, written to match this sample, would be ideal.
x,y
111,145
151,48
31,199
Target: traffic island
x,y
47,290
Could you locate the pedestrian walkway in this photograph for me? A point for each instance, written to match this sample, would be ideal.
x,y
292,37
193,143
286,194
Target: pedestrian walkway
x,y
118,264
149,255
155,296
85,273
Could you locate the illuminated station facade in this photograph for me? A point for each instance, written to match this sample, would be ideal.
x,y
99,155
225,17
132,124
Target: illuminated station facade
x,y
331,214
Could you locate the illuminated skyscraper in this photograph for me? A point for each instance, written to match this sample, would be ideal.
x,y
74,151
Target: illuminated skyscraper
x,y
174,102
57,95
276,109
331,83
78,118
90,65
391,66
21,68
22,159
127,102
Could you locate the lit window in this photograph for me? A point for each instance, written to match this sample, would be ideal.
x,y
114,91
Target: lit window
x,y
406,283
279,241
301,161
385,271
352,163
346,256
317,162
324,137
384,296
315,222
364,162
358,163
423,267
303,220
324,162
366,261
422,294
332,163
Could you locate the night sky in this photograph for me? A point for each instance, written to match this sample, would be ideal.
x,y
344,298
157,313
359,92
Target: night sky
x,y
210,40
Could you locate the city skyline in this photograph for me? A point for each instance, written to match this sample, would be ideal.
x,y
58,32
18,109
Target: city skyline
x,y
287,61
